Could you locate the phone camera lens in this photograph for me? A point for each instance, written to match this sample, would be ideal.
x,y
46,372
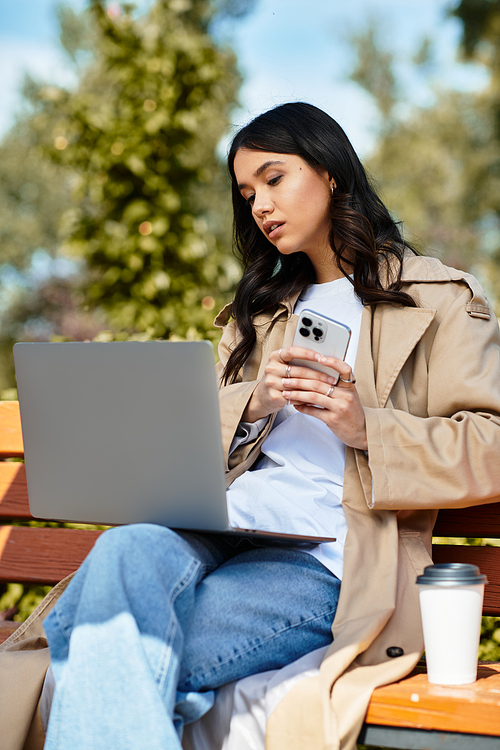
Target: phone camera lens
x,y
317,332
307,322
304,332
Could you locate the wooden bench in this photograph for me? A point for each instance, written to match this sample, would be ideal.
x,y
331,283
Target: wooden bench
x,y
407,714
29,555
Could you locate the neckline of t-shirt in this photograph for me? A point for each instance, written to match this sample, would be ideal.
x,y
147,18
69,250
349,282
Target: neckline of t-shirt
x,y
320,290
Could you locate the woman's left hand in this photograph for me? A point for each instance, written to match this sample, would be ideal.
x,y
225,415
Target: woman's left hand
x,y
342,411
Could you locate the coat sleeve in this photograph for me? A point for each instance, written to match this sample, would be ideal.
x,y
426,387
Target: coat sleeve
x,y
451,458
233,400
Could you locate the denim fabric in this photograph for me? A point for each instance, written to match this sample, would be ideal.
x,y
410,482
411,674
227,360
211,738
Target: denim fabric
x,y
155,621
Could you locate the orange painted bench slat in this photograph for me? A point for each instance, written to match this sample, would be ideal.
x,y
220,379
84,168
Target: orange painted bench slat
x,y
13,492
11,439
413,702
42,555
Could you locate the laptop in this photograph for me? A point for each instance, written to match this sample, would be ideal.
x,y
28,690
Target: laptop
x,y
126,432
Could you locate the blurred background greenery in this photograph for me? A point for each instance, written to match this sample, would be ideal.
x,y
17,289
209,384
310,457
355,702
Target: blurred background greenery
x,y
118,179
114,201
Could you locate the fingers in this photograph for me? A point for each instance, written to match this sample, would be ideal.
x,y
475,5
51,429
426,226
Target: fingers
x,y
297,372
340,410
285,369
321,397
302,385
349,381
346,376
321,386
285,355
313,393
307,389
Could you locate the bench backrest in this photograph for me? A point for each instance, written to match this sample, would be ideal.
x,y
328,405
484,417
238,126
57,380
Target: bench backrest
x,y
30,555
46,555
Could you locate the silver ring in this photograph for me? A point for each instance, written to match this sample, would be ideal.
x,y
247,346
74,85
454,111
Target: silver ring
x,y
287,373
330,391
281,358
352,379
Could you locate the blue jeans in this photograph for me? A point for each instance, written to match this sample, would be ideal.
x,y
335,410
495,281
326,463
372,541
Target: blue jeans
x,y
155,621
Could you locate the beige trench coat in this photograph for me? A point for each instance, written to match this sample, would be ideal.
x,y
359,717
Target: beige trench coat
x,y
429,380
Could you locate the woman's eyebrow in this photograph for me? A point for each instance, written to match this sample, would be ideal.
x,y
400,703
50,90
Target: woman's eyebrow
x,y
261,169
264,166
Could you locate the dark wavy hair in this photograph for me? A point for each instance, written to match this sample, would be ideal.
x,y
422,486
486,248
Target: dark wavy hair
x,y
362,233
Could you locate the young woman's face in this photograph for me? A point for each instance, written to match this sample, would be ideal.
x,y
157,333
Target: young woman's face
x,y
289,200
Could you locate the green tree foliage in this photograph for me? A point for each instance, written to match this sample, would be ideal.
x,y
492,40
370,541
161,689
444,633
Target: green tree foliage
x,y
489,646
440,194
436,164
481,29
139,137
374,70
481,44
29,212
33,195
120,173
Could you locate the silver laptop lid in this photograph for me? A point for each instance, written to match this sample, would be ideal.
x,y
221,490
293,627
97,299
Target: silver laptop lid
x,y
122,432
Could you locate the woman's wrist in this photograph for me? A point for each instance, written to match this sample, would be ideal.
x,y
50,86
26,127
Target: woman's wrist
x,y
252,413
254,409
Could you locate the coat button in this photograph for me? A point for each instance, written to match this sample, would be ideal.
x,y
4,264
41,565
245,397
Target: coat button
x,y
394,651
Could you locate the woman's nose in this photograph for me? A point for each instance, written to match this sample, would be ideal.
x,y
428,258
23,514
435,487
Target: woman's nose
x,y
262,205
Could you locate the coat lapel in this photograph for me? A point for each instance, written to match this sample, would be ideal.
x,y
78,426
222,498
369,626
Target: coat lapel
x,y
363,366
395,333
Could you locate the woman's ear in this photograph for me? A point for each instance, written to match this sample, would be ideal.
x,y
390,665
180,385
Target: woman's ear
x,y
333,184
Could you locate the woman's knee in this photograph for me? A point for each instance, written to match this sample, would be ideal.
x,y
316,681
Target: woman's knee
x,y
134,541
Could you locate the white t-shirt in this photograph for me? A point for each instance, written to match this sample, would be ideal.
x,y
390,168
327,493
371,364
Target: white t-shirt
x,y
296,486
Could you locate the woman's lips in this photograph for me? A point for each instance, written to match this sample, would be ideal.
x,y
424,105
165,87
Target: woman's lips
x,y
273,229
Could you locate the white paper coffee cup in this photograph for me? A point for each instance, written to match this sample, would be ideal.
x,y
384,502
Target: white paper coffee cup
x,y
451,603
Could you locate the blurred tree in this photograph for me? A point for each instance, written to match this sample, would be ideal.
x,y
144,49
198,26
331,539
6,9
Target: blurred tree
x,y
430,166
31,198
120,172
481,44
431,162
43,307
374,71
140,134
481,29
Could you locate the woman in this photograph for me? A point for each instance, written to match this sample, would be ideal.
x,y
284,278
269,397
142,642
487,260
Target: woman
x,y
154,622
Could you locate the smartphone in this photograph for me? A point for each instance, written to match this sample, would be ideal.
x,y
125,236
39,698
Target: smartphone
x,y
323,335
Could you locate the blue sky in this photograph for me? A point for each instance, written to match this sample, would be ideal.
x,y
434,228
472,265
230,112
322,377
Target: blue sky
x,y
287,50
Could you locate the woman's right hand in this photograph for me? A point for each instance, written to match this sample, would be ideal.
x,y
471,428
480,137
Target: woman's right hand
x,y
268,397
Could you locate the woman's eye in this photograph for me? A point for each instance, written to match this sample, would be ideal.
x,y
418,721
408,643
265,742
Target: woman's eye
x,y
275,180
250,200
